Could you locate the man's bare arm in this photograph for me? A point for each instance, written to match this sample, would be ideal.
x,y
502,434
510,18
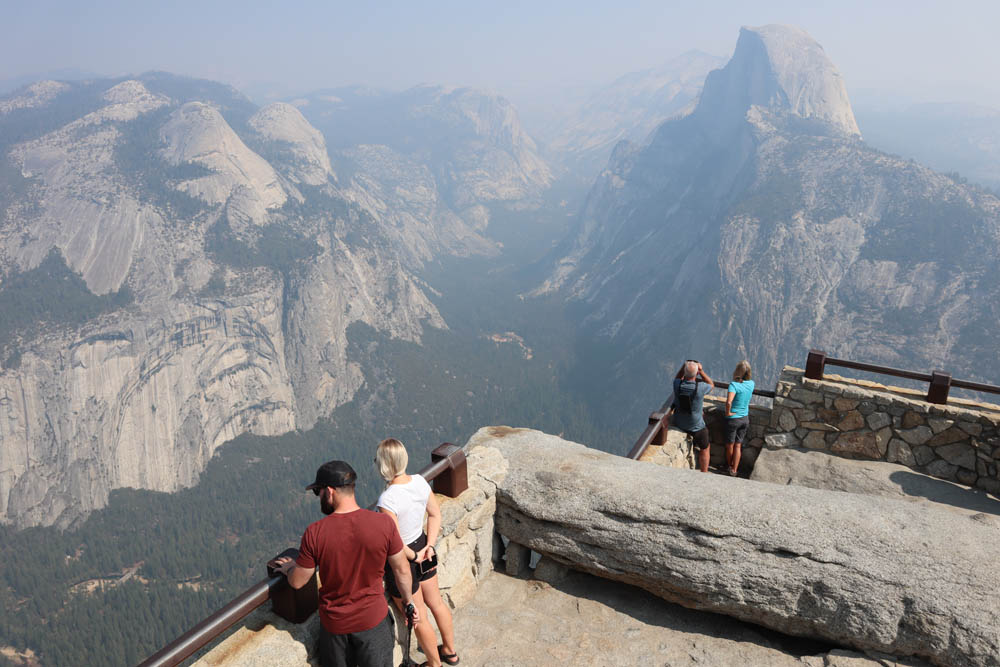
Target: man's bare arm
x,y
704,376
297,575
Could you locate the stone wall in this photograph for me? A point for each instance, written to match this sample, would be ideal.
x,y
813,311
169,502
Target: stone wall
x,y
467,550
468,546
959,442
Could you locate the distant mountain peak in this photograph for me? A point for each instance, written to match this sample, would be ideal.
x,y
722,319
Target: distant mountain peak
x,y
36,95
197,132
283,122
778,68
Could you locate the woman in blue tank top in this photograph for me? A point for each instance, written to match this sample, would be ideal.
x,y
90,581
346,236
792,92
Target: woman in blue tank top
x,y
738,414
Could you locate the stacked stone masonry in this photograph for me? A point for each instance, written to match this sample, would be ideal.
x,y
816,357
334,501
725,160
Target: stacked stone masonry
x,y
468,546
959,442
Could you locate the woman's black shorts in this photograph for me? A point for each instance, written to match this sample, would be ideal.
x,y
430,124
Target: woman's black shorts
x,y
390,579
736,429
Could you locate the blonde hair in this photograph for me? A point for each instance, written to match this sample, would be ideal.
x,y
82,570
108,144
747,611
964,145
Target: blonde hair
x,y
391,458
742,371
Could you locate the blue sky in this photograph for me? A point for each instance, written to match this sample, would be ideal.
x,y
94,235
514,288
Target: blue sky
x,y
924,51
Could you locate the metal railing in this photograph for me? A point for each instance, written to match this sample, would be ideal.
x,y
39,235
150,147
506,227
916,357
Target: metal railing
x,y
940,382
656,431
449,475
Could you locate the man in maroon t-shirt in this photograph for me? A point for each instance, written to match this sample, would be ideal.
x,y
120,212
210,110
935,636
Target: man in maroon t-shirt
x,y
350,546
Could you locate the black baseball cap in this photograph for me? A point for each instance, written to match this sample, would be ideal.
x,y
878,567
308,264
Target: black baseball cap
x,y
335,474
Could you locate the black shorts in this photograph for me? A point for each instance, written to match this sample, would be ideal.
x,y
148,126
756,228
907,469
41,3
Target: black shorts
x,y
368,647
390,579
700,438
736,429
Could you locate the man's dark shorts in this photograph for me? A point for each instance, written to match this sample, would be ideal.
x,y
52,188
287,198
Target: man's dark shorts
x,y
700,438
736,429
368,648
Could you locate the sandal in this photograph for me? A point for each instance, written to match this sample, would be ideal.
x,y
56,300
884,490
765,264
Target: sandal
x,y
447,658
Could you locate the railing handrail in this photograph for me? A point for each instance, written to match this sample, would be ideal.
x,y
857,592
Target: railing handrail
x,y
766,393
940,381
652,430
882,370
211,627
242,605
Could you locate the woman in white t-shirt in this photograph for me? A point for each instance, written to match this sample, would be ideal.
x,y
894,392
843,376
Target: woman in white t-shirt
x,y
406,499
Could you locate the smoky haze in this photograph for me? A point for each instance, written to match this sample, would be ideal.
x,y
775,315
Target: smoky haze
x,y
889,52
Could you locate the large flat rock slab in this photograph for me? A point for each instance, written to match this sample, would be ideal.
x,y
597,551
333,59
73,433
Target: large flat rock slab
x,y
586,620
869,572
821,470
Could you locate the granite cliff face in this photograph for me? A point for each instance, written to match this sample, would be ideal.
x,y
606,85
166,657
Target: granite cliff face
x,y
760,225
246,257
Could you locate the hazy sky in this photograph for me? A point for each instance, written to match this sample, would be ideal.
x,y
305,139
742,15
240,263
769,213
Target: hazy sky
x,y
929,51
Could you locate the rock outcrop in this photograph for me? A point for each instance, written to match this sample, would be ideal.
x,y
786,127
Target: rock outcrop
x,y
868,572
283,123
821,470
780,69
197,133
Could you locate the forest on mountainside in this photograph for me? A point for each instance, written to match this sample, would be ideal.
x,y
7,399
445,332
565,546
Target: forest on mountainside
x,y
52,295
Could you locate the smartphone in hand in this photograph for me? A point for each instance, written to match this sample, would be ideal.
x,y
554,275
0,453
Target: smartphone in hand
x,y
428,565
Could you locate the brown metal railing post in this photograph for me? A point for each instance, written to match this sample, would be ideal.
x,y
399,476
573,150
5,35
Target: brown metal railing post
x,y
655,433
455,478
940,385
660,437
814,364
294,605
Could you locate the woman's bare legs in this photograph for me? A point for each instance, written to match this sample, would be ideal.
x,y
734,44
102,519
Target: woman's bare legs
x,y
734,463
442,614
423,629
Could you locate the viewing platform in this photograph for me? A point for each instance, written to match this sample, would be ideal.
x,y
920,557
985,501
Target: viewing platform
x,y
874,543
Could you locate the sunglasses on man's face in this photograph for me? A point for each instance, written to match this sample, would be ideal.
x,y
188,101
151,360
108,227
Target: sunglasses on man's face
x,y
316,491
